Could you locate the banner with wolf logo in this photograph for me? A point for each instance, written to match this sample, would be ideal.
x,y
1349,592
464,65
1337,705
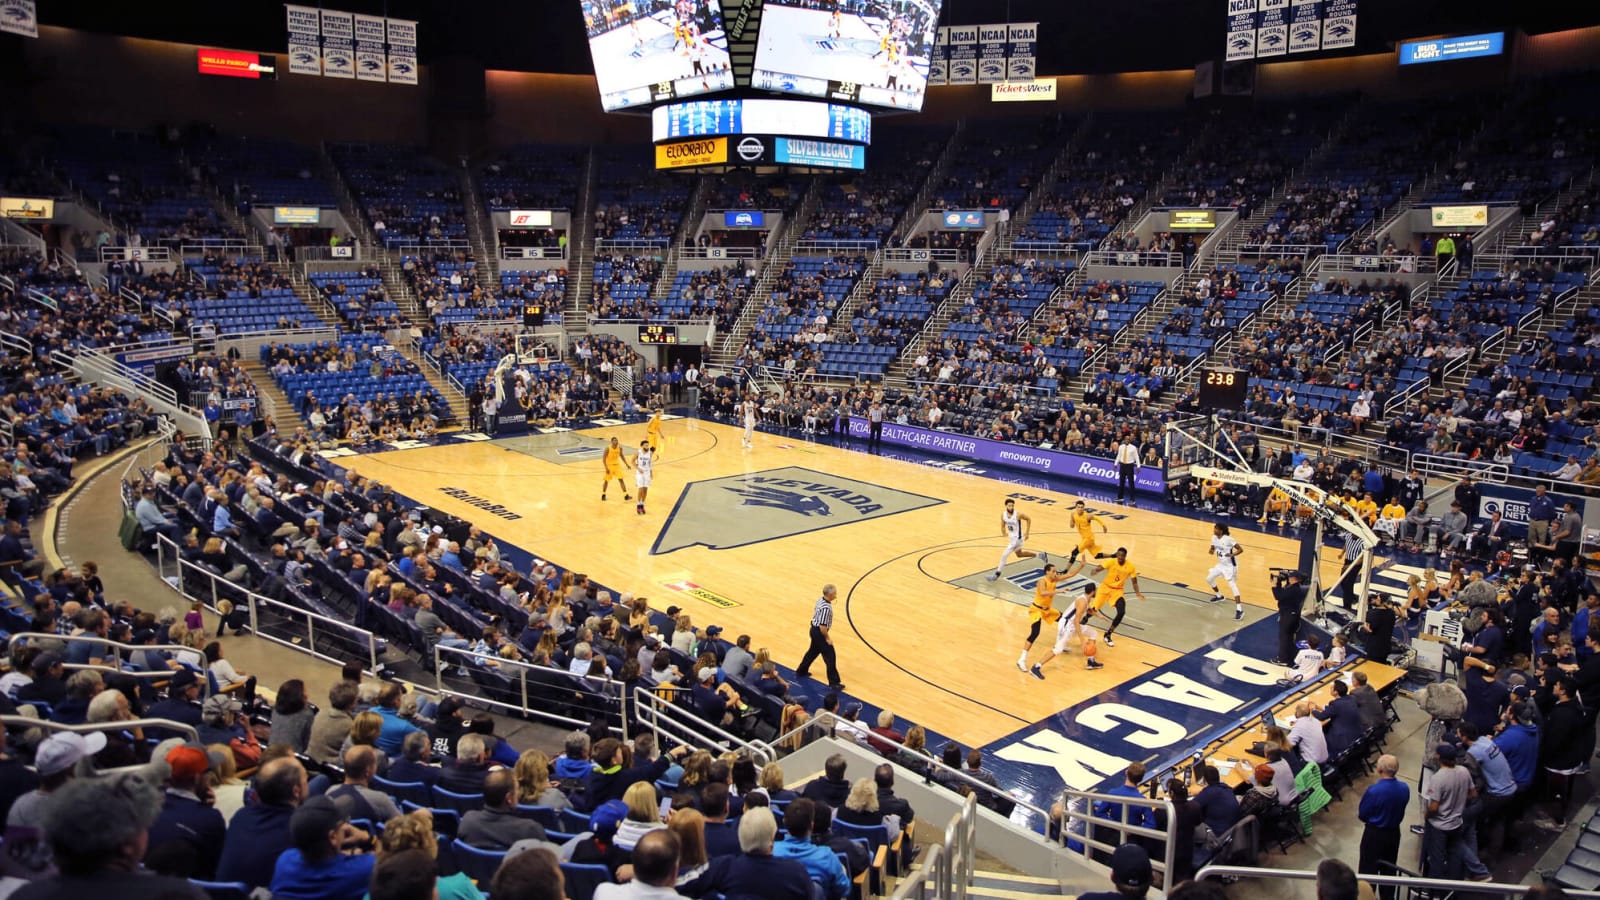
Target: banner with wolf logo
x,y
19,17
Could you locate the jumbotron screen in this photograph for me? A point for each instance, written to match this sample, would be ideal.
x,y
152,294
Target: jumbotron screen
x,y
873,52
646,51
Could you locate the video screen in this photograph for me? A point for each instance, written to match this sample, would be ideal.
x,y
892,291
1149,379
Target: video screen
x,y
860,51
646,51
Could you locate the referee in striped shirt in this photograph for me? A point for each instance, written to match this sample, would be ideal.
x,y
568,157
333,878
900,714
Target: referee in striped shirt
x,y
821,640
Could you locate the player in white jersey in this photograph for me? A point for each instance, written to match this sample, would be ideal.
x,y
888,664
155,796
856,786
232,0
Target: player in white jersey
x,y
835,25
1070,626
1227,551
749,412
1015,526
643,466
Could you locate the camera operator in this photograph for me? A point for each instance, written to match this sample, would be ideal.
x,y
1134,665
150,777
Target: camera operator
x,y
1290,592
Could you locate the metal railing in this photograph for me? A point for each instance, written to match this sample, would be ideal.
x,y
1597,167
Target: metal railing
x,y
1152,258
135,254
946,870
610,690
115,663
299,626
1377,262
662,716
189,732
1435,886
656,248
924,254
1080,825
694,252
826,247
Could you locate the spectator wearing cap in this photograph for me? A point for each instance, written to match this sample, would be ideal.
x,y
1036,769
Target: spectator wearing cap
x,y
259,833
1446,794
56,760
848,724
754,871
832,787
183,699
316,867
712,643
97,832
609,780
395,727
1131,875
48,685
496,826
448,726
223,722
711,700
187,838
821,864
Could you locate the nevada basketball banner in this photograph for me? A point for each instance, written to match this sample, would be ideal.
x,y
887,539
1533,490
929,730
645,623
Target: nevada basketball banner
x,y
1022,47
371,63
1272,28
402,51
19,17
1339,25
991,54
1305,26
305,40
963,54
1241,30
338,50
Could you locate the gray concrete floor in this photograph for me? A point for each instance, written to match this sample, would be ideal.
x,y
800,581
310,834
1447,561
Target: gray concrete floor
x,y
87,531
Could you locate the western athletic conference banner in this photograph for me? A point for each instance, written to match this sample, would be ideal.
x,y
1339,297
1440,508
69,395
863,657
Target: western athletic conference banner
x,y
1241,30
1305,26
338,44
1272,28
402,35
371,62
991,53
305,39
1339,25
19,17
1149,479
1022,48
963,54
939,58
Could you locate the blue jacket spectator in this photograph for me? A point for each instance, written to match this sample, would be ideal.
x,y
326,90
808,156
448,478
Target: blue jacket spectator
x,y
820,862
394,730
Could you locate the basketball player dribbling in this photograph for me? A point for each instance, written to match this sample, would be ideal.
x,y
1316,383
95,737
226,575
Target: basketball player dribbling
x,y
1015,526
614,461
1070,625
644,467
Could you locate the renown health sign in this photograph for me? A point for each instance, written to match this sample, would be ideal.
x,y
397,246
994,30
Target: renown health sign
x,y
1032,459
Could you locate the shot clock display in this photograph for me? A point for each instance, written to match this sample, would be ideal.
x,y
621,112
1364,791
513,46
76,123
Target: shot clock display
x,y
1223,389
533,315
658,334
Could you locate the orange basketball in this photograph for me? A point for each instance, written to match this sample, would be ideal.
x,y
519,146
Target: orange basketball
x,y
1090,647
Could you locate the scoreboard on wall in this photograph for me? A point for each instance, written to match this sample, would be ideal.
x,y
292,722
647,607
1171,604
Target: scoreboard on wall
x,y
658,334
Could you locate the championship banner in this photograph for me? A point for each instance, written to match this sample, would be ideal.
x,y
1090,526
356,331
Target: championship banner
x,y
402,51
1241,30
963,54
1339,25
1272,28
371,62
939,58
1022,49
338,44
19,17
991,53
305,39
1305,26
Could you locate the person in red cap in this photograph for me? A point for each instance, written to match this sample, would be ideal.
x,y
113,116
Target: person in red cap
x,y
186,840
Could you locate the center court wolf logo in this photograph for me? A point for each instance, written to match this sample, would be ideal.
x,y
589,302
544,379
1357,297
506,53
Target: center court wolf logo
x,y
745,509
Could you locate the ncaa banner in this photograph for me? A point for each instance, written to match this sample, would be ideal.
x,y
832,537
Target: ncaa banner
x,y
1272,28
402,51
1241,30
19,17
991,53
963,54
1339,25
1305,26
939,58
338,44
1022,47
371,62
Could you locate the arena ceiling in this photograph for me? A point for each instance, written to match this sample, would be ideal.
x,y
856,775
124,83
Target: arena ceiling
x,y
1076,37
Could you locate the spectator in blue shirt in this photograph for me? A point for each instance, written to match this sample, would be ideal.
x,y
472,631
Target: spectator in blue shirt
x,y
316,868
1519,741
1219,806
1139,815
820,862
1500,786
395,728
187,839
258,834
1580,625
1383,808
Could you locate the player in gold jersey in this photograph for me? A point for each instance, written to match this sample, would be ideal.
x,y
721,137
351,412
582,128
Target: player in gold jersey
x,y
614,462
1042,609
1084,521
1119,574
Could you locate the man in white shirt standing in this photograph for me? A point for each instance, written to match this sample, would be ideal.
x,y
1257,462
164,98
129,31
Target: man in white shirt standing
x,y
1127,466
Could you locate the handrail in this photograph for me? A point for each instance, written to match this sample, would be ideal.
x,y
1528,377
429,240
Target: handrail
x,y
522,668
948,866
660,714
257,603
696,252
1150,258
830,246
43,637
87,727
1407,881
1078,806
828,717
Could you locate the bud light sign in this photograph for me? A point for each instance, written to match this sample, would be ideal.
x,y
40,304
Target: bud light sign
x,y
744,218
